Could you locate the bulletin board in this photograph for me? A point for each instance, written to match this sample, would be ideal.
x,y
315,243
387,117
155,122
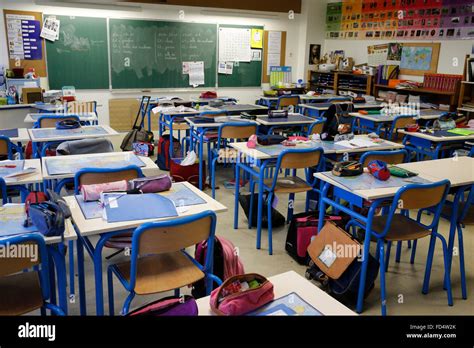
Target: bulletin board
x,y
38,64
400,19
266,78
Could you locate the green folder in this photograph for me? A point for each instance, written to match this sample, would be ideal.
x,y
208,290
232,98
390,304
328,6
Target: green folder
x,y
461,131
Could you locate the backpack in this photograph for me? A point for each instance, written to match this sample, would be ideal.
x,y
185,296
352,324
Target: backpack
x,y
277,219
226,263
34,198
163,159
338,120
138,133
302,228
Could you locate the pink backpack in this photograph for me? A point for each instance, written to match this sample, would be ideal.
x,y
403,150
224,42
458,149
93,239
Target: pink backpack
x,y
226,263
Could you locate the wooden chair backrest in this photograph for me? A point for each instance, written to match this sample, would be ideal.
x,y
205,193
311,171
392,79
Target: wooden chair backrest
x,y
395,158
51,122
297,160
81,107
290,101
102,178
174,238
235,132
3,147
317,129
420,198
12,265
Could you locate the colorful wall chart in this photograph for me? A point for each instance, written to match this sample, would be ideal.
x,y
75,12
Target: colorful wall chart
x,y
400,19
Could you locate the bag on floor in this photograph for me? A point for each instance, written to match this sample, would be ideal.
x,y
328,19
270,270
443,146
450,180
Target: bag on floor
x,y
169,306
300,231
163,159
226,263
277,218
138,133
335,262
190,173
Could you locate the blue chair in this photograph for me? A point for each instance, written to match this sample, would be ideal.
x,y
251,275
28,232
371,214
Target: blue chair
x,y
228,132
285,101
7,147
399,122
49,121
471,153
159,261
316,127
24,292
397,227
291,160
78,107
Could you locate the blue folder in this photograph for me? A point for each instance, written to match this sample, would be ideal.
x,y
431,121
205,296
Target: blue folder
x,y
124,207
10,133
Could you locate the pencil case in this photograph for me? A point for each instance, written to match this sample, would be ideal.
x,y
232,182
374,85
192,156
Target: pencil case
x,y
151,184
92,192
241,294
350,168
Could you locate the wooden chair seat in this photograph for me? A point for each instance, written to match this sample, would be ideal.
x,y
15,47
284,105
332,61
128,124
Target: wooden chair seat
x,y
179,126
162,272
401,229
289,184
20,293
468,220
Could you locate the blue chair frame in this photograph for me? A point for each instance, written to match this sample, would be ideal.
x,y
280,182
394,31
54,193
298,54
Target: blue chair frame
x,y
207,268
214,154
44,271
392,131
314,124
10,147
310,179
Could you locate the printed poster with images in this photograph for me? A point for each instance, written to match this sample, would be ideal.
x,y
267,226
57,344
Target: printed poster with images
x,y
23,34
401,19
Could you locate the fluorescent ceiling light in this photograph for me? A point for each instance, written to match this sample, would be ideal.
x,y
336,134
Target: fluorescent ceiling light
x,y
90,5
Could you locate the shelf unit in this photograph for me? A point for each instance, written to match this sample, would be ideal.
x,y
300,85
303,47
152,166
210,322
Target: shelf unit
x,y
340,81
466,98
439,96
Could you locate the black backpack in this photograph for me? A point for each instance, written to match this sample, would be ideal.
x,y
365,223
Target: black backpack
x,y
277,219
336,115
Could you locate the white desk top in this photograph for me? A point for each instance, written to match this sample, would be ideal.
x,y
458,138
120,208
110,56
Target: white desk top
x,y
73,134
304,97
48,107
426,114
69,233
459,171
89,227
260,155
217,124
150,168
286,283
15,106
86,116
325,106
23,136
434,138
291,120
33,178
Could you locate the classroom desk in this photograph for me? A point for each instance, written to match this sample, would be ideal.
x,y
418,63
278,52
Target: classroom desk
x,y
90,117
46,135
374,123
56,253
306,99
206,101
316,110
287,283
98,227
71,164
48,107
293,120
198,133
237,109
23,136
459,171
21,182
432,145
261,157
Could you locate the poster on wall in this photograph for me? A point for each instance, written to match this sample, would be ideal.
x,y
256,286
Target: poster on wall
x,y
24,41
394,51
419,58
401,19
314,54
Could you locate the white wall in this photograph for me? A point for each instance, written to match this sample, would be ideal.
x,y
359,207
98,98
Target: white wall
x,y
295,52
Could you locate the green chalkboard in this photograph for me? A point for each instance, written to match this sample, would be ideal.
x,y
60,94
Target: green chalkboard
x,y
79,57
244,74
149,54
